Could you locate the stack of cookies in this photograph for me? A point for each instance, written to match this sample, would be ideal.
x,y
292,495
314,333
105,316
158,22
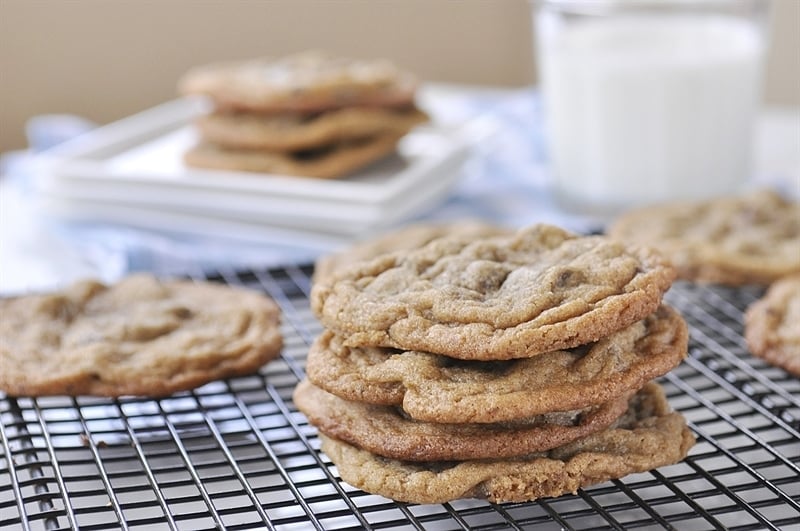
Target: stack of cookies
x,y
309,114
507,367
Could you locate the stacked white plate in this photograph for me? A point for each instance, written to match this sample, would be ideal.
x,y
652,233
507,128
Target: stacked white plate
x,y
131,173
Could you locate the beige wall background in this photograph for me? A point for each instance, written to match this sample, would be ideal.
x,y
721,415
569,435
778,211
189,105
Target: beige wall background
x,y
105,60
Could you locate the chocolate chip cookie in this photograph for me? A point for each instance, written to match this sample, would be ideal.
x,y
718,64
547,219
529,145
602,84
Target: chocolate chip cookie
x,y
772,325
325,162
140,336
436,388
296,132
311,81
647,436
747,239
504,297
386,431
403,239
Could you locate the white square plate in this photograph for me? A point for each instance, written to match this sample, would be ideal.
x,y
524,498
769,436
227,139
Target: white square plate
x,y
135,166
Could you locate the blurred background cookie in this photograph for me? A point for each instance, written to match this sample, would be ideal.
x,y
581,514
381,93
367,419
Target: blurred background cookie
x,y
772,325
306,82
325,162
310,114
752,238
294,132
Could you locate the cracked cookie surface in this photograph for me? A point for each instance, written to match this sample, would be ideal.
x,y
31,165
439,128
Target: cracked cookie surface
x,y
140,336
647,436
504,297
403,239
436,388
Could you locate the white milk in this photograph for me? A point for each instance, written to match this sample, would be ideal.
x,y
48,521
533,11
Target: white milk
x,y
643,108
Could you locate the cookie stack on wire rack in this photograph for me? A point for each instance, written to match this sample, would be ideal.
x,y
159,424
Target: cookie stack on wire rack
x,y
505,367
311,114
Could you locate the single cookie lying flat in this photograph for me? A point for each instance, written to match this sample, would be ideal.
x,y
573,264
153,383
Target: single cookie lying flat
x,y
436,388
306,82
539,290
384,430
409,237
292,132
646,437
772,325
140,336
749,239
329,163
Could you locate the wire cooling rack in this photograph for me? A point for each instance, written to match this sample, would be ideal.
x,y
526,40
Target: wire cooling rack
x,y
236,454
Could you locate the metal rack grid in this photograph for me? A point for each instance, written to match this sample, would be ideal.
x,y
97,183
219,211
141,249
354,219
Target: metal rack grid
x,y
236,454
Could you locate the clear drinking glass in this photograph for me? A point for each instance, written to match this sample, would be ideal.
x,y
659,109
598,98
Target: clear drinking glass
x,y
649,100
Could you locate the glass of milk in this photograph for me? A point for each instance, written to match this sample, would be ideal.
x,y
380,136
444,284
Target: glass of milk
x,y
649,100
